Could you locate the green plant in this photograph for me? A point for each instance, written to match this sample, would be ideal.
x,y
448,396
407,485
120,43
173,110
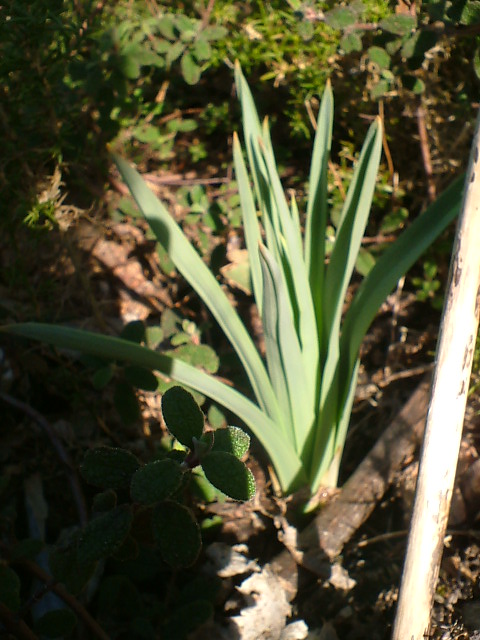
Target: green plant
x,y
396,45
141,516
304,395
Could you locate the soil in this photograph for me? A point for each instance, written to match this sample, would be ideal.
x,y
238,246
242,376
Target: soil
x,y
107,273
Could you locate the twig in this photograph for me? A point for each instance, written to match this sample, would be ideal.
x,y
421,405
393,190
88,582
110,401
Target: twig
x,y
443,431
14,625
425,149
333,527
57,445
69,600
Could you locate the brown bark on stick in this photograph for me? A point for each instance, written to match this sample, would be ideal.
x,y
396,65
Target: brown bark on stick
x,y
333,527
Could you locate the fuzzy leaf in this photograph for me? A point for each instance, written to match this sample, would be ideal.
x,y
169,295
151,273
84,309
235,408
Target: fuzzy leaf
x,y
231,440
109,467
182,415
141,378
190,69
351,42
134,331
379,56
400,25
340,17
102,377
177,534
156,481
104,534
229,474
56,624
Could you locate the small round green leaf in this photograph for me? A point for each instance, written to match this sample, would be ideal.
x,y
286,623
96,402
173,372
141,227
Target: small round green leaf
x,y
177,534
400,25
141,378
351,42
109,467
156,481
102,377
229,474
414,84
104,534
190,69
380,89
182,415
67,569
56,624
379,56
231,440
104,501
340,17
134,331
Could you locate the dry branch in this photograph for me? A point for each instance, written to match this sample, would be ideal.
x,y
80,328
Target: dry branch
x,y
333,527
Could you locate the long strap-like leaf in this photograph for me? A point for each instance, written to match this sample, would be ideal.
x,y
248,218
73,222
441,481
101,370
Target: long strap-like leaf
x,y
195,271
284,458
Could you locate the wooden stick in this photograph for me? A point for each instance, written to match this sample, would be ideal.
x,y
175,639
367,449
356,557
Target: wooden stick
x,y
443,431
324,538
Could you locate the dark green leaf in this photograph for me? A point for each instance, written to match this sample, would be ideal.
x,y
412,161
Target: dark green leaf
x,y
365,262
400,25
231,440
394,220
351,42
190,69
177,534
380,89
174,52
413,83
166,26
104,501
9,588
229,474
126,402
109,467
134,331
202,49
129,66
141,378
216,417
156,481
56,624
379,56
183,417
419,44
102,377
198,355
214,33
470,12
340,17
104,534
67,569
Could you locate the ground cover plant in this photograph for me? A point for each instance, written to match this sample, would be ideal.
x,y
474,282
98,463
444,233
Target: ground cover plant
x,y
306,392
72,83
140,510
